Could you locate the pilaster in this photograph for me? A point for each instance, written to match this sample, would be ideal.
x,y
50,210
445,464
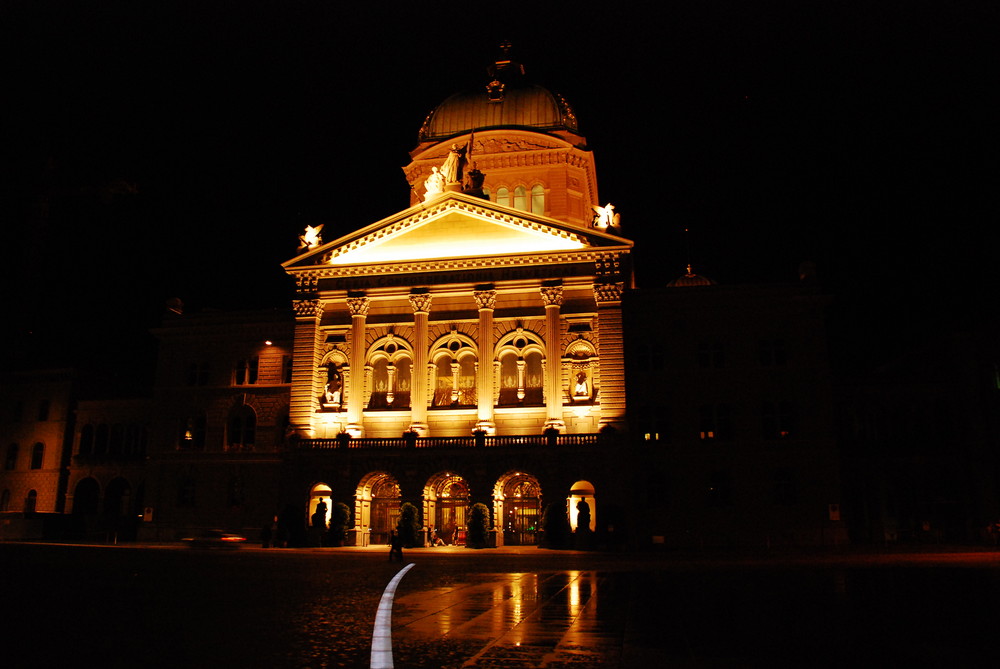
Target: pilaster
x,y
306,354
358,306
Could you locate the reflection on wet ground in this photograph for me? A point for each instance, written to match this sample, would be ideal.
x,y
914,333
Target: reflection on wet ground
x,y
123,607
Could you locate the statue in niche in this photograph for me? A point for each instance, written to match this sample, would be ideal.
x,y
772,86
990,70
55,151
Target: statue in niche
x,y
581,389
582,516
454,164
332,388
434,184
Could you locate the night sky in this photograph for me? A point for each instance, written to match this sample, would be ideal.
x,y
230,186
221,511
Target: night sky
x,y
182,148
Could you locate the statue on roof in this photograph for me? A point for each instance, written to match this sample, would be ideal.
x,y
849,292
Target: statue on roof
x,y
311,238
454,164
434,184
605,216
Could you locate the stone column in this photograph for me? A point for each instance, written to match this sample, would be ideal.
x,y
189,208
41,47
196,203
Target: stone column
x,y
306,355
486,300
358,307
611,354
421,303
552,297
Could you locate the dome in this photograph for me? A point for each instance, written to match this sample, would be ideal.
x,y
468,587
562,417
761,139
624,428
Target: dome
x,y
528,106
507,101
690,279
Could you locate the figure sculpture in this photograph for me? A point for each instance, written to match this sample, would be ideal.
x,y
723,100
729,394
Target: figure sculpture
x,y
434,184
453,165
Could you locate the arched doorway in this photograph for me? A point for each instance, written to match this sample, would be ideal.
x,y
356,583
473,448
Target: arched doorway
x,y
319,506
581,499
377,506
446,500
517,504
85,497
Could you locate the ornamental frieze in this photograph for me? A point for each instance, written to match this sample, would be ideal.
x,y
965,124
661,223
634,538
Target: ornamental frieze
x,y
306,308
608,292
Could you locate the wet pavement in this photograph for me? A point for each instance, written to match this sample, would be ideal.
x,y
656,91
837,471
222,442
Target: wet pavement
x,y
123,606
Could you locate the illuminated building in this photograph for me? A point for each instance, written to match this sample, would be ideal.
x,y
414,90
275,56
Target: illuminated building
x,y
472,349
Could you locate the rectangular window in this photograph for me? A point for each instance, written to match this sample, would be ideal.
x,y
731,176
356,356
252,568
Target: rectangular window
x,y
246,371
772,352
715,422
286,369
711,354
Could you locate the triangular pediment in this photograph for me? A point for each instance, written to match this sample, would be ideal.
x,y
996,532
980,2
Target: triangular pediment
x,y
454,226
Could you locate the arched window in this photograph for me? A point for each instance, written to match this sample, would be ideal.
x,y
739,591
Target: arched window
x,y
30,501
454,356
389,360
87,439
520,198
503,196
242,429
10,464
101,440
37,455
521,375
537,199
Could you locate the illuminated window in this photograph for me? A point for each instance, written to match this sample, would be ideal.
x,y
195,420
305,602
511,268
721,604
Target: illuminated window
x,y
11,462
711,354
520,198
192,435
772,352
715,422
537,199
241,431
653,423
37,455
503,197
777,420
245,372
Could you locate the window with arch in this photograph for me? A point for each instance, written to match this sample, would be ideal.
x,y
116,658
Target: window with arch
x,y
391,375
520,198
31,501
241,432
503,196
522,380
10,464
37,455
538,199
87,439
455,359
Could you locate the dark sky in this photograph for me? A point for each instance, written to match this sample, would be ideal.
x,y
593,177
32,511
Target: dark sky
x,y
181,148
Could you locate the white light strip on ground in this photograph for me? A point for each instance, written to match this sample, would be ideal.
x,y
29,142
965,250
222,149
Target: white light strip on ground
x,y
382,634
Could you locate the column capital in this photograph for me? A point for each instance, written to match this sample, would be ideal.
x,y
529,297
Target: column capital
x,y
608,293
485,299
421,302
552,295
307,308
358,306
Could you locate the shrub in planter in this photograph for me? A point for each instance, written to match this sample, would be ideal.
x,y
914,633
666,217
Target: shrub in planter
x,y
555,526
479,526
408,526
340,522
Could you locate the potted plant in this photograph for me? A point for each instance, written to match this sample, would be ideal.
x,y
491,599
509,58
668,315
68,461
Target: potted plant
x,y
479,526
408,526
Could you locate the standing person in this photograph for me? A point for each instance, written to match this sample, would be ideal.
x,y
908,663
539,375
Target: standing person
x,y
395,546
